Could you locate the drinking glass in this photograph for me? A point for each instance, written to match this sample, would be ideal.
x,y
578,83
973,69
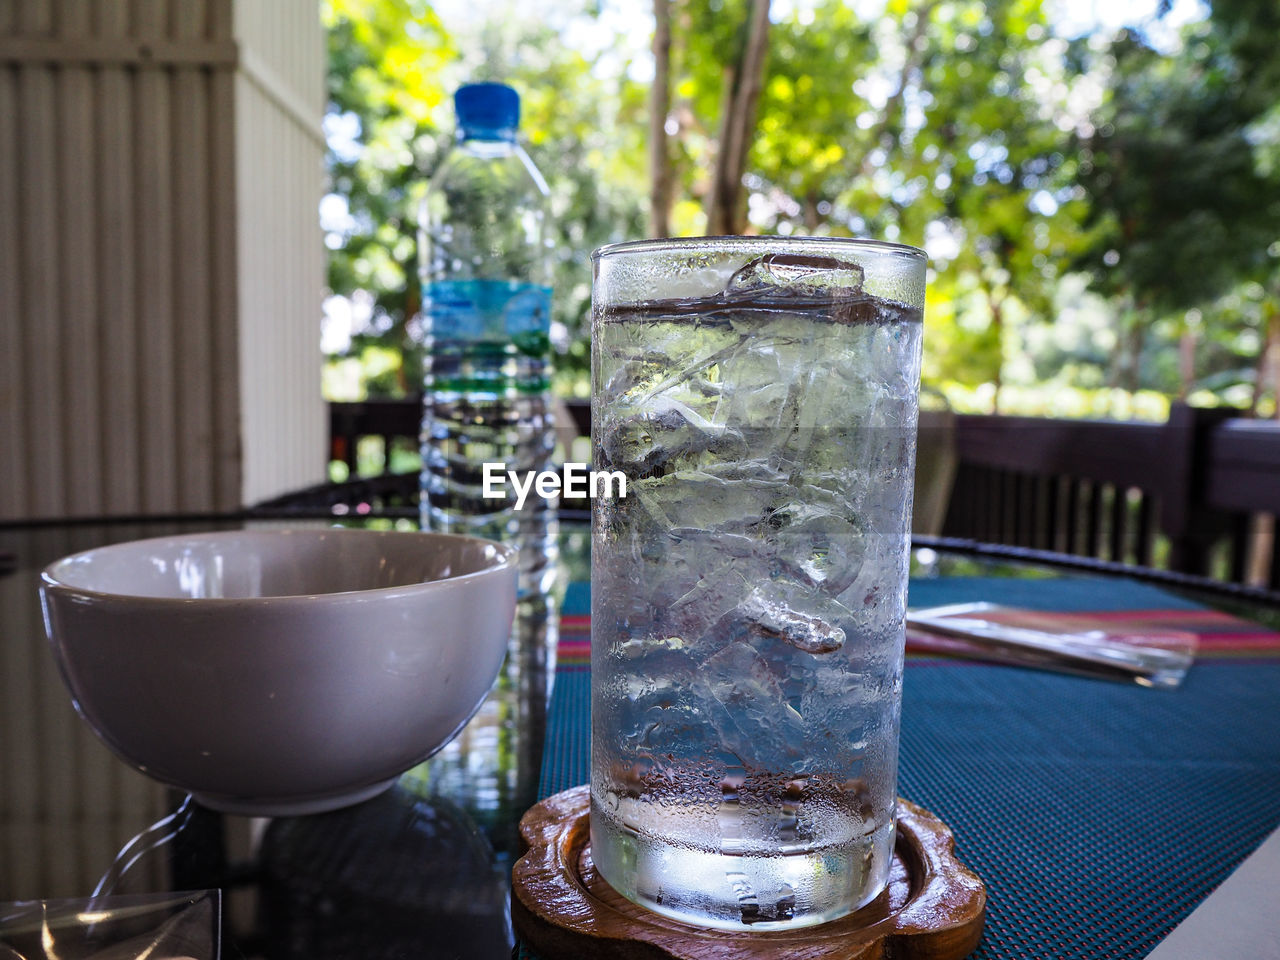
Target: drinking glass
x,y
759,395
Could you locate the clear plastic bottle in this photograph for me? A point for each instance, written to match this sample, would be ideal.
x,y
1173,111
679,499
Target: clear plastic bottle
x,y
486,312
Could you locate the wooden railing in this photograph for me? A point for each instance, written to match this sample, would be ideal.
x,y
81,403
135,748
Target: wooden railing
x,y
391,420
1197,494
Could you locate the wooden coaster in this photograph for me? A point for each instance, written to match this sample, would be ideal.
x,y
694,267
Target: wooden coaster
x,y
933,908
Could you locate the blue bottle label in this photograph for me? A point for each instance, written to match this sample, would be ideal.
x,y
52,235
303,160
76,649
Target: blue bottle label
x,y
488,311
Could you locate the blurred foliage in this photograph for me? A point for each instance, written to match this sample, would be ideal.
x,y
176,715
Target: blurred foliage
x,y
583,132
392,70
384,60
1173,183
1183,198
1097,210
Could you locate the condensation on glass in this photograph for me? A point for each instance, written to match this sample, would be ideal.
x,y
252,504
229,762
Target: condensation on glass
x,y
760,395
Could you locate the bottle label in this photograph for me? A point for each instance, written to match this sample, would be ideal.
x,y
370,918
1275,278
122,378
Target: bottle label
x,y
490,311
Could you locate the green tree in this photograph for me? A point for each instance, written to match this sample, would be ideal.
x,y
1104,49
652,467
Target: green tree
x,y
585,130
938,122
966,126
385,69
392,70
987,166
1181,210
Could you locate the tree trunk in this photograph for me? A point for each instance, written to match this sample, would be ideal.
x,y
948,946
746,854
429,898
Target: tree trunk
x,y
728,84
1123,374
737,124
1275,362
1186,364
1268,366
659,108
997,321
1137,337
812,219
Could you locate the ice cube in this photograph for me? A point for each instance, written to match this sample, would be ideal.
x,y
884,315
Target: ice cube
x,y
824,551
769,613
793,276
659,431
679,359
725,497
649,649
748,709
655,713
631,373
717,593
759,384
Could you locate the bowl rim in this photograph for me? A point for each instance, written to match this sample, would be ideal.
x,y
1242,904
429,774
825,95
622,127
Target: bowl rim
x,y
49,581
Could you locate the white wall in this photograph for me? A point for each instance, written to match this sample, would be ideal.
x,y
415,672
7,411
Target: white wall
x,y
279,98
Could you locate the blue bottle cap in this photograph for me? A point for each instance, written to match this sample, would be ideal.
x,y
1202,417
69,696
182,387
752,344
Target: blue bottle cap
x,y
487,111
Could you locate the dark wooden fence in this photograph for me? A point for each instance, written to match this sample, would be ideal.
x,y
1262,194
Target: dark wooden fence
x,y
390,420
1197,494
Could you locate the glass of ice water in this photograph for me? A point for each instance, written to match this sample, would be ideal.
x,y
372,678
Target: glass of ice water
x,y
759,395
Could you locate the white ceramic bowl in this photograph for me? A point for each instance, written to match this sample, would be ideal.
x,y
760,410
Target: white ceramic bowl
x,y
281,671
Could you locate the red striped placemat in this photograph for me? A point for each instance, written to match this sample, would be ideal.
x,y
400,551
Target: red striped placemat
x,y
1219,635
574,652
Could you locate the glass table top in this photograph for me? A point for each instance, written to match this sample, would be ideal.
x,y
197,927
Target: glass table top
x,y
420,871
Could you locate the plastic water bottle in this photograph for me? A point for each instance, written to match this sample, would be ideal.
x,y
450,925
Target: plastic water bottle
x,y
487,315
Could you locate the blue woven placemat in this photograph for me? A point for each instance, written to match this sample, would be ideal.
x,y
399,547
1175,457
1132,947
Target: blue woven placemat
x,y
1098,814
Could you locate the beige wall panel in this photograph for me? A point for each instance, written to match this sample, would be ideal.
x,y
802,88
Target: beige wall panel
x,y
117,295
117,288
13,385
161,260
189,19
193,299
279,180
154,253
82,326
282,50
220,19
39,315
35,17
150,18
73,18
223,264
110,18
79,383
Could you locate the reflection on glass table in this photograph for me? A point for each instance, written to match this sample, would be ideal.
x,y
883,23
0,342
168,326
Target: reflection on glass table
x,y
423,870
408,873
419,871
